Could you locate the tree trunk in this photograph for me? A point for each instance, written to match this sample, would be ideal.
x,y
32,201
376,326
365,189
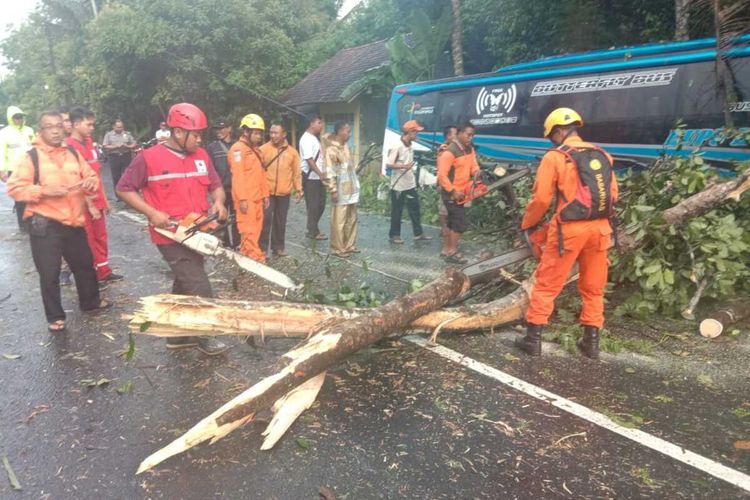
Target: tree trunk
x,y
714,325
723,76
312,357
168,314
457,50
682,19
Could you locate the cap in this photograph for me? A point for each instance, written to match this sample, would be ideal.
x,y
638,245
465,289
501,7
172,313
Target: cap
x,y
221,123
163,124
412,126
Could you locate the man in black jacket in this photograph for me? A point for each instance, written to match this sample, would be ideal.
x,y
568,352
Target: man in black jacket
x,y
218,150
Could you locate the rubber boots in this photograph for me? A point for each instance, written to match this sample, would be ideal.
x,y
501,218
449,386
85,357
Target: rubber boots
x,y
531,344
589,343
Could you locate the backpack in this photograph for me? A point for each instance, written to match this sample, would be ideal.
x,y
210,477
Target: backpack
x,y
34,155
593,198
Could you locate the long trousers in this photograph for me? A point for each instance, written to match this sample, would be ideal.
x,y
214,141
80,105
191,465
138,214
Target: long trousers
x,y
190,277
117,165
96,233
410,198
250,226
343,228
315,201
47,251
274,224
586,245
231,235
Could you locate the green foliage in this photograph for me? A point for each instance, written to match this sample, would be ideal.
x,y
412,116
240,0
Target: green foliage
x,y
671,262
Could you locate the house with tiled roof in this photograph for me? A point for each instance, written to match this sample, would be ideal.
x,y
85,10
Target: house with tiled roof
x,y
332,91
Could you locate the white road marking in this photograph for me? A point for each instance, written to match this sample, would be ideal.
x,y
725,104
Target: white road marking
x,y
676,452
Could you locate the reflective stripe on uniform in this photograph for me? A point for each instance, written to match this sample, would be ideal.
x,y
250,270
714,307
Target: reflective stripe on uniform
x,y
177,176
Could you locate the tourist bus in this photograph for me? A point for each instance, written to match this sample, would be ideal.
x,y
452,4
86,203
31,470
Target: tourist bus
x,y
638,103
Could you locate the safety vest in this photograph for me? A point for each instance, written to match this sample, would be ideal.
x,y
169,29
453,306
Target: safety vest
x,y
176,185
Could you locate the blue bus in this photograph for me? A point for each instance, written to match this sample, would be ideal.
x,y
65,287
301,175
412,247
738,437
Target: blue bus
x,y
631,100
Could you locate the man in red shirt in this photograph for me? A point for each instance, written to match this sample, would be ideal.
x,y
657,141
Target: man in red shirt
x,y
168,182
97,207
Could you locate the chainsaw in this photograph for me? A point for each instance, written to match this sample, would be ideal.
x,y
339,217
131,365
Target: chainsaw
x,y
488,269
198,233
478,188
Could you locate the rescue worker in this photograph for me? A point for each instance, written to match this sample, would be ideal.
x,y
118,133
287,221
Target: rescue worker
x,y
284,175
176,179
449,135
82,121
218,150
344,191
579,231
15,140
53,181
249,185
457,168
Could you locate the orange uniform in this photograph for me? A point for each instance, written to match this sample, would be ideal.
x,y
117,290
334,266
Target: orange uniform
x,y
249,187
58,166
463,164
584,241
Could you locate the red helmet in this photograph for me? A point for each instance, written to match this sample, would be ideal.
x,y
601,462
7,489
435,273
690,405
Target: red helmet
x,y
187,117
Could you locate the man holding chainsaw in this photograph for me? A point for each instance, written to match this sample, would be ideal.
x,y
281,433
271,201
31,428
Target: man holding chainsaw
x,y
249,185
168,182
457,169
581,177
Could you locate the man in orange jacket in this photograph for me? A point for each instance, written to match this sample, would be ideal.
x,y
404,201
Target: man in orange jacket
x,y
582,178
53,182
457,168
249,185
282,163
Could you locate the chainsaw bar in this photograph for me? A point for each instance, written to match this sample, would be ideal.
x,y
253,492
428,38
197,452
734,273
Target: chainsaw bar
x,y
498,184
487,269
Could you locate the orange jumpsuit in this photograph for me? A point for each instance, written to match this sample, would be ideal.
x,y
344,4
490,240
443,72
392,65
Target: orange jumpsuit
x,y
585,242
249,185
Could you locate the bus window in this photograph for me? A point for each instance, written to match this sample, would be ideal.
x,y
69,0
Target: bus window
x,y
454,107
698,96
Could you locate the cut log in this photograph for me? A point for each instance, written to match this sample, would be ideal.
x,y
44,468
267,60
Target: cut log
x,y
714,325
312,357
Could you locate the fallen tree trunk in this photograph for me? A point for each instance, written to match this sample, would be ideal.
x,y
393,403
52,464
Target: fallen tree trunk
x,y
312,357
170,315
714,325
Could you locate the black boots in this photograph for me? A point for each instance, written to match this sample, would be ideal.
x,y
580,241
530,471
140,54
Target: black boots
x,y
531,344
589,343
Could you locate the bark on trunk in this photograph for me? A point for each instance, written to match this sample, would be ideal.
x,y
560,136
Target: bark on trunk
x,y
714,325
457,50
682,19
312,357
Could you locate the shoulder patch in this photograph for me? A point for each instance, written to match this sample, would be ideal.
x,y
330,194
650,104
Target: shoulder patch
x,y
237,156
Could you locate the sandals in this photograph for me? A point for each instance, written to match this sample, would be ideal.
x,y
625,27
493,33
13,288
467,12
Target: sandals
x,y
103,306
57,326
456,258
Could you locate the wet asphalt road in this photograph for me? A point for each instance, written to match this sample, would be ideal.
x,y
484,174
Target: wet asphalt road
x,y
394,421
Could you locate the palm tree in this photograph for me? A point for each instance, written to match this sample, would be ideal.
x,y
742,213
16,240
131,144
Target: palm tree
x,y
456,49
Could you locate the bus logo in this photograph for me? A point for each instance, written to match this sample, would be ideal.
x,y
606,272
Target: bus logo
x,y
497,100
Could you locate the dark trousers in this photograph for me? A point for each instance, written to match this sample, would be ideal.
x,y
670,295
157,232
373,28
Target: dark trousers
x,y
47,250
117,165
274,223
410,197
190,277
315,201
20,208
231,236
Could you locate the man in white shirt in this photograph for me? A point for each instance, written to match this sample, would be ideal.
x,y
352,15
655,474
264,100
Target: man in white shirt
x,y
163,133
404,185
313,177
